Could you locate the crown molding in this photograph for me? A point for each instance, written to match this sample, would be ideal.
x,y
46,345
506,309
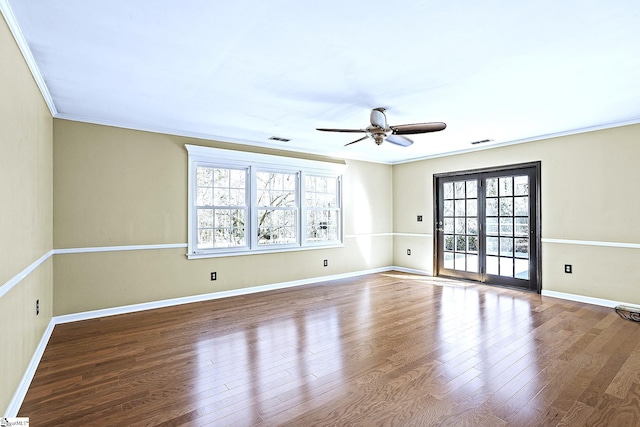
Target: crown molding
x,y
12,22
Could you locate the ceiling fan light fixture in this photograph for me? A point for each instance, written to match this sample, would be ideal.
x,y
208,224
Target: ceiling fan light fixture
x,y
379,130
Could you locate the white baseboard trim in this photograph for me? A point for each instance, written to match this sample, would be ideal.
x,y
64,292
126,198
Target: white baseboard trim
x,y
585,299
411,271
27,377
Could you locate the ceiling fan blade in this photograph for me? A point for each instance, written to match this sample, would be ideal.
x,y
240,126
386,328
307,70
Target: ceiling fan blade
x,y
399,140
357,140
418,128
342,130
378,118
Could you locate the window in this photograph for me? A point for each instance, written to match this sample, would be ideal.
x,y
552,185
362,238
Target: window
x,y
221,207
277,205
250,203
323,212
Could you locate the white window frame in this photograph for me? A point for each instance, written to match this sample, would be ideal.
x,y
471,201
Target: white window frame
x,y
255,162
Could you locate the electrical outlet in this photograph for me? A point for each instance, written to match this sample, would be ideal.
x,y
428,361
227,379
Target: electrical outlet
x,y
214,275
37,307
326,263
419,218
408,251
568,268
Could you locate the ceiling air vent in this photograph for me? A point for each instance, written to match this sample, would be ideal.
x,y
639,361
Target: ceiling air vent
x,y
481,142
277,138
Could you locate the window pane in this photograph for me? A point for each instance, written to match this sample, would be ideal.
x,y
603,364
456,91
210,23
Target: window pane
x,y
521,185
204,177
276,189
459,189
472,226
448,190
460,207
506,267
237,197
521,206
448,208
221,178
448,242
204,197
506,186
492,207
205,218
223,218
237,178
521,227
472,242
205,239
322,225
492,265
506,206
448,260
492,226
472,189
522,248
492,187
448,225
472,263
492,245
522,269
221,197
321,192
506,226
472,207
506,246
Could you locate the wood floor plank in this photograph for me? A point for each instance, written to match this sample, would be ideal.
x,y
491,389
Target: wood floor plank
x,y
385,349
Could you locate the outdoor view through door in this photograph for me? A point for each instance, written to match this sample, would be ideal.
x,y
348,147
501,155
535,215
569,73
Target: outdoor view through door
x,y
487,225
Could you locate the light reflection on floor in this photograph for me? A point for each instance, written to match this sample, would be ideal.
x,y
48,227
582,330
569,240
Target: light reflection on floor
x,y
300,347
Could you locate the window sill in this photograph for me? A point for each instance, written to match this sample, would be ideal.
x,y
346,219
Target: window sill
x,y
263,251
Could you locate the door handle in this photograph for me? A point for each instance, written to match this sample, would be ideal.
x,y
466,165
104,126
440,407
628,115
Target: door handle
x,y
440,229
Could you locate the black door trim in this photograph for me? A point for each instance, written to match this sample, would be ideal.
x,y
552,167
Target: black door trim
x,y
536,216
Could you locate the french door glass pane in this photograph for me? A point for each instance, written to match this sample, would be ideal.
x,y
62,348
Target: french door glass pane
x,y
506,266
460,225
522,269
507,216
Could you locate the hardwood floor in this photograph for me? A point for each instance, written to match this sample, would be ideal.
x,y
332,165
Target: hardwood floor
x,y
389,349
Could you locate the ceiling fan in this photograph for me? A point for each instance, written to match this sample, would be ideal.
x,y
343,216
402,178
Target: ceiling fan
x,y
379,130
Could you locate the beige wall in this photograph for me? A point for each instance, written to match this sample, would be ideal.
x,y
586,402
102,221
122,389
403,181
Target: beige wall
x,y
26,218
118,187
74,185
588,194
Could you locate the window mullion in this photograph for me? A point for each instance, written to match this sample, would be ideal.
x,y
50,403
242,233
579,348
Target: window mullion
x,y
253,211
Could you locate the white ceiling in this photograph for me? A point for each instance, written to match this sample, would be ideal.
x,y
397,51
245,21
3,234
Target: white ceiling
x,y
243,71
